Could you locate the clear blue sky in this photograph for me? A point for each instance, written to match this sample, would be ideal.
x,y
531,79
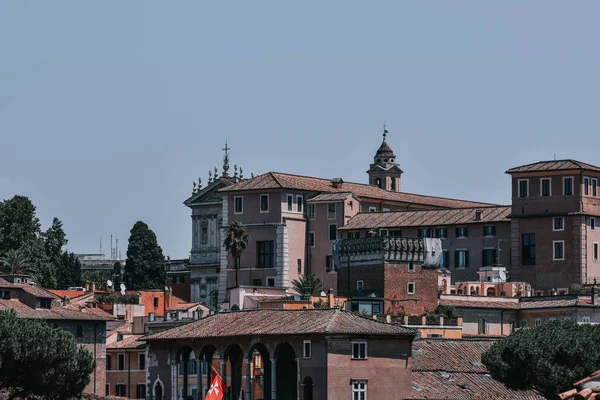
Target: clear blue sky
x,y
109,110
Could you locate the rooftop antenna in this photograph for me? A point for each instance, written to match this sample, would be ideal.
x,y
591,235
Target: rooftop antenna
x,y
100,244
554,156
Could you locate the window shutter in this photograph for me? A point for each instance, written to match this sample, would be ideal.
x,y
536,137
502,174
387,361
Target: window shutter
x,y
483,260
466,231
494,230
466,258
455,258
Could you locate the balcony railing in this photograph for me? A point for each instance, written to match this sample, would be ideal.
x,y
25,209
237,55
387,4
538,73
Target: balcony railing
x,y
388,248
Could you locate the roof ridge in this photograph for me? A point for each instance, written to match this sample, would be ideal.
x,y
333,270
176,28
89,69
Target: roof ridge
x,y
332,320
432,209
378,188
275,178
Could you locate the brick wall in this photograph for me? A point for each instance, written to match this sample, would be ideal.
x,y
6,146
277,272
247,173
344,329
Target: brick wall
x,y
398,300
387,369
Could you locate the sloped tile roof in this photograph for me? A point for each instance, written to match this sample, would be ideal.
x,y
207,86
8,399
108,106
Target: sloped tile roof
x,y
554,165
464,386
586,388
281,322
491,303
524,303
329,197
452,369
131,342
71,293
278,180
56,313
183,306
31,289
452,216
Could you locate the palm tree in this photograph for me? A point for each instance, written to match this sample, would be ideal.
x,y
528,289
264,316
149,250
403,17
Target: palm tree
x,y
236,242
15,262
308,285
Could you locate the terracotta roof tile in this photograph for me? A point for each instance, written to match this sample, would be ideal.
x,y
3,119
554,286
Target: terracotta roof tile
x,y
484,303
452,369
554,165
586,388
281,322
278,180
512,303
131,342
329,197
452,216
183,306
71,293
24,311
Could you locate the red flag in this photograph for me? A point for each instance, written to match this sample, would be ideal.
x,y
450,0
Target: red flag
x,y
217,387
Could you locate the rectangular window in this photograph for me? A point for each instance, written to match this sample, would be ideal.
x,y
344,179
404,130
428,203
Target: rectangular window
x,y
396,233
559,249
383,232
441,233
121,362
108,362
424,232
79,330
372,209
482,326
5,294
546,188
265,254
329,267
461,259
306,349
523,323
559,224
593,223
359,350
410,288
594,187
271,282
462,232
141,391
238,205
311,239
411,266
264,203
120,390
567,186
586,320
444,261
330,210
353,235
107,389
489,230
489,257
155,302
586,186
290,202
359,390
311,211
528,247
45,303
523,187
332,231
299,204
595,251
360,285
299,262
537,322
141,361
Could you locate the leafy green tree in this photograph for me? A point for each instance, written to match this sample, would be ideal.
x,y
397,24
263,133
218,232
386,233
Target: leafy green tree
x,y
37,359
145,265
99,277
18,223
236,242
308,285
54,240
117,274
68,272
15,262
547,359
44,271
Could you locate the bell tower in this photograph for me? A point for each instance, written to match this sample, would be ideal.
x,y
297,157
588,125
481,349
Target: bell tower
x,y
385,173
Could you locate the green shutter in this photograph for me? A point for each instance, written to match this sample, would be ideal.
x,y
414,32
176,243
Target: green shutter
x,y
466,258
466,231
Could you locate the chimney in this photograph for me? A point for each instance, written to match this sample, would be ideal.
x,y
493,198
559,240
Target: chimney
x,y
478,214
337,183
151,317
87,286
93,287
167,298
330,298
388,319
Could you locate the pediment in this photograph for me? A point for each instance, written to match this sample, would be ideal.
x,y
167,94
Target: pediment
x,y
208,194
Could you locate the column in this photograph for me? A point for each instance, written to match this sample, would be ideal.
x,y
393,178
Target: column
x,y
273,379
174,379
199,377
224,370
185,377
208,375
248,379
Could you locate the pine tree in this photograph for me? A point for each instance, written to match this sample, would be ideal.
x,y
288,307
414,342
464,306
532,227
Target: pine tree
x,y
145,265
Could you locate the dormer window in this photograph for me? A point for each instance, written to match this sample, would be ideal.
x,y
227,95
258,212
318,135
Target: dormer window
x,y
45,303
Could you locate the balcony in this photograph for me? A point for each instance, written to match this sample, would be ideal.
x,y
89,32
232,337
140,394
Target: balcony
x,y
424,251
